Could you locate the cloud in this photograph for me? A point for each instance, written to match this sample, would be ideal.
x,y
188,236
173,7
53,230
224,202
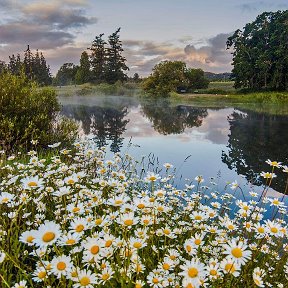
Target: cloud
x,y
143,55
254,6
56,16
38,36
47,26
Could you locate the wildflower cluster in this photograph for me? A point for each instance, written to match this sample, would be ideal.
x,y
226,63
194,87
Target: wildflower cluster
x,y
78,220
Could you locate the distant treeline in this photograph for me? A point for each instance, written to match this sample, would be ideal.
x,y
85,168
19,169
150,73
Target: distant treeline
x,y
33,66
218,76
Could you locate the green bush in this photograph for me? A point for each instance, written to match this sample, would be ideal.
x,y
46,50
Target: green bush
x,y
28,113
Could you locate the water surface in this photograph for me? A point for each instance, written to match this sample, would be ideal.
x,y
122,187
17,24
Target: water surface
x,y
228,142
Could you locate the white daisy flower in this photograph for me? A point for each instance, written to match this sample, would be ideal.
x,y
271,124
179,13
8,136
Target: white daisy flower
x,y
47,234
237,250
61,265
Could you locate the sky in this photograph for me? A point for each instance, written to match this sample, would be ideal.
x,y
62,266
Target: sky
x,y
151,31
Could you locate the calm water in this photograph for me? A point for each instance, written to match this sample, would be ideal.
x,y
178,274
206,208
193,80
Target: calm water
x,y
232,143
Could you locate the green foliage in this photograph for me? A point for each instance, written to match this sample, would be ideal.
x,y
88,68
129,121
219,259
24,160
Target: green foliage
x,y
196,79
260,52
168,76
83,72
108,64
98,58
66,74
28,113
115,62
33,66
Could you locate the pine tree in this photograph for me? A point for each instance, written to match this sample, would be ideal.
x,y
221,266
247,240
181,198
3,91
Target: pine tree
x,y
115,61
3,66
28,63
83,73
15,64
97,58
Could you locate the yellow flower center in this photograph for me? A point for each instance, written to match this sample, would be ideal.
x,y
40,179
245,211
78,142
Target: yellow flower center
x,y
74,273
32,184
229,267
146,222
152,178
166,231
160,208
5,200
173,257
108,243
94,249
79,228
198,217
190,286
48,236
197,241
61,266
137,245
70,242
276,202
188,248
261,229
274,230
213,272
30,239
230,227
84,281
138,285
166,266
193,272
105,276
70,181
155,280
128,222
76,209
257,281
141,206
138,268
98,221
41,274
118,202
237,252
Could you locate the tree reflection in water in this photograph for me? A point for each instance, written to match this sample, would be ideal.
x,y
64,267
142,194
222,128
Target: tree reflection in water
x,y
255,137
105,124
169,119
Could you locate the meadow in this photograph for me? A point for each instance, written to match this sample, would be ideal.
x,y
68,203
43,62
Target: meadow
x,y
78,218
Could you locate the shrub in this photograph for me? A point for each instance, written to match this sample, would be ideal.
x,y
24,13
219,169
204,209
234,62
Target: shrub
x,y
27,113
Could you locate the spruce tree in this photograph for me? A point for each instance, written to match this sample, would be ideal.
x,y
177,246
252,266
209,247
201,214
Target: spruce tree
x,y
98,58
83,73
115,65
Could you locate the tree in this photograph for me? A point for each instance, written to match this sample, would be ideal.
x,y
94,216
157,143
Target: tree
x,y
66,74
260,52
115,62
34,67
15,64
169,76
83,73
196,79
3,66
97,58
136,77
